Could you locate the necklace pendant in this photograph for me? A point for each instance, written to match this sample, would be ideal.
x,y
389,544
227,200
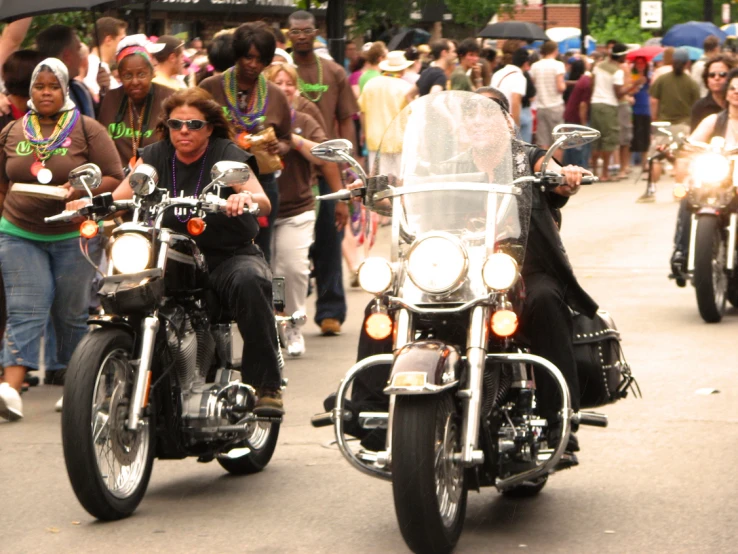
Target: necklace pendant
x,y
36,167
44,176
132,161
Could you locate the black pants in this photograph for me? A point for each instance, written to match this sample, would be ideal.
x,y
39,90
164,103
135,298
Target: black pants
x,y
683,228
546,322
243,284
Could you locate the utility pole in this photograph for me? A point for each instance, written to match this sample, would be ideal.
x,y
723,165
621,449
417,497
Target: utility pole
x,y
545,14
708,12
334,22
583,25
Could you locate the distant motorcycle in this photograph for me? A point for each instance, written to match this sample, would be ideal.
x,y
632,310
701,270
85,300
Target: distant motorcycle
x,y
158,374
462,390
713,206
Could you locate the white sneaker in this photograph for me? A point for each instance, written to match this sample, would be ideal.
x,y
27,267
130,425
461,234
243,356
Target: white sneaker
x,y
11,405
295,341
58,406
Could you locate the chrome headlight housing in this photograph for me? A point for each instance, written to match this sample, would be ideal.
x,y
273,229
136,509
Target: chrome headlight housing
x,y
710,168
437,263
131,253
500,272
375,275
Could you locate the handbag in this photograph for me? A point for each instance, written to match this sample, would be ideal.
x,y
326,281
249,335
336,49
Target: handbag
x,y
604,374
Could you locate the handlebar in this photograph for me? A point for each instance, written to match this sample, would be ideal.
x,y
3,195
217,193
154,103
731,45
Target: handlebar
x,y
65,216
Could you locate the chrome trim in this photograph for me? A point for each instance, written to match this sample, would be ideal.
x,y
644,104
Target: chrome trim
x,y
417,309
427,388
452,239
338,415
373,420
447,187
476,356
732,225
692,242
165,237
566,415
404,334
135,412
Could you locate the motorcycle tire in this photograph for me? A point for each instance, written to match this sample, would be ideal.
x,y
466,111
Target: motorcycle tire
x,y
710,280
426,431
262,443
528,489
84,424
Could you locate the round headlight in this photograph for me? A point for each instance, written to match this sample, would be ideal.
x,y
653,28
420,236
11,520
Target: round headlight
x,y
130,253
500,271
375,275
710,168
437,263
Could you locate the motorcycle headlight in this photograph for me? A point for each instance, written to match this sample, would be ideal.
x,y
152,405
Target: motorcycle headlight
x,y
710,168
437,263
500,272
130,253
375,275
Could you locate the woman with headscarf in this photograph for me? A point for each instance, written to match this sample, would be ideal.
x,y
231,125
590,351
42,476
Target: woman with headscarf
x,y
130,112
46,275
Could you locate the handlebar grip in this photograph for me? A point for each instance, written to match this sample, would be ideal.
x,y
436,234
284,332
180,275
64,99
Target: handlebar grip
x,y
65,216
340,195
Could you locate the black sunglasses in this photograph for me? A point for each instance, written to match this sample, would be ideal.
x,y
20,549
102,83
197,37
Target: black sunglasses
x,y
192,124
718,74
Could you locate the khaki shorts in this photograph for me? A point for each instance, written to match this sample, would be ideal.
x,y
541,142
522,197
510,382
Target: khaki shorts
x,y
625,119
604,118
546,120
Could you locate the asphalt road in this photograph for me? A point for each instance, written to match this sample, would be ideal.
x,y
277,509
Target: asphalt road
x,y
661,478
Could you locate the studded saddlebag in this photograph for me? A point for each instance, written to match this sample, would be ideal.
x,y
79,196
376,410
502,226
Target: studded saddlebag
x,y
604,375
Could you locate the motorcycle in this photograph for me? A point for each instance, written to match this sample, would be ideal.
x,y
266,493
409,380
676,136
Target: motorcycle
x,y
462,391
713,207
158,373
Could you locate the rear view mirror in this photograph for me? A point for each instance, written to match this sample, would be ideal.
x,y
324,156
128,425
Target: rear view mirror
x,y
143,180
229,173
85,177
336,151
574,136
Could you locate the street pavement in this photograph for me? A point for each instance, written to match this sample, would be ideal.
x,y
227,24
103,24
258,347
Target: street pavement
x,y
661,478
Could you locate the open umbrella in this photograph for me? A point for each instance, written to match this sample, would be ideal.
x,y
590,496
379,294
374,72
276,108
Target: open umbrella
x,y
15,9
408,37
731,29
692,33
694,53
557,34
575,43
648,52
513,30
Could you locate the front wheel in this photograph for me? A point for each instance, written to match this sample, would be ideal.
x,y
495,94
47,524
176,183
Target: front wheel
x,y
108,465
428,485
261,442
710,278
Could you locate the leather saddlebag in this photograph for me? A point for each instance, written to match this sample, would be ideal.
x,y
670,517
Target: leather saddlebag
x,y
604,375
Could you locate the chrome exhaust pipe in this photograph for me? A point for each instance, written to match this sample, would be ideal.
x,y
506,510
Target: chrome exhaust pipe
x,y
590,418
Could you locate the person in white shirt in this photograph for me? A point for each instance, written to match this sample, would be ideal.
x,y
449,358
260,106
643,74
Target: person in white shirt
x,y
109,32
548,76
511,81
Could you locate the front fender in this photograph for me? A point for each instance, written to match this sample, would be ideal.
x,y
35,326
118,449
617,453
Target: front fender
x,y
114,321
424,367
705,210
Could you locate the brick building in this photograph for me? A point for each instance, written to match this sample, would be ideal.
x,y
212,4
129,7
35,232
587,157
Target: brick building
x,y
557,15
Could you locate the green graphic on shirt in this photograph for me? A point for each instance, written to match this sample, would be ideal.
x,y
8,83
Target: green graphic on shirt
x,y
24,148
121,130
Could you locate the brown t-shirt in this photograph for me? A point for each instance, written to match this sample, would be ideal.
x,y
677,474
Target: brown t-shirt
x,y
295,193
277,111
338,101
90,144
307,107
115,118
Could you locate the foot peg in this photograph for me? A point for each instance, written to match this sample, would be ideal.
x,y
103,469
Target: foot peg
x,y
590,418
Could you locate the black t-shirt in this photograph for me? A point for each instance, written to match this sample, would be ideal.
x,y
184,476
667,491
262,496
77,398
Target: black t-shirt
x,y
702,108
430,77
223,235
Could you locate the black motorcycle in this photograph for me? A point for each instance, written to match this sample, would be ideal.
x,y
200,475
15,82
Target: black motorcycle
x,y
157,375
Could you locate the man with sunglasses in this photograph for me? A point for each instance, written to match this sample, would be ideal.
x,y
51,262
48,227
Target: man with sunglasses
x,y
324,83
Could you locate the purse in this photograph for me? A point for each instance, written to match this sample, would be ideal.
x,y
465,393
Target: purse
x,y
604,374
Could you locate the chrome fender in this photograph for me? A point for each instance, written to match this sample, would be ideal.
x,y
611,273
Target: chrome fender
x,y
424,367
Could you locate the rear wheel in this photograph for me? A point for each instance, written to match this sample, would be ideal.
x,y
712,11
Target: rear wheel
x,y
257,450
428,485
710,278
108,465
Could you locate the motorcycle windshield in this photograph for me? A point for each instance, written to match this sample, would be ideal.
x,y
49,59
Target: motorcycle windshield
x,y
449,162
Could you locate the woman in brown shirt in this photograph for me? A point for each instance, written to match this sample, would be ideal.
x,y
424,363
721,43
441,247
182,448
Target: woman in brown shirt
x,y
45,273
250,101
130,113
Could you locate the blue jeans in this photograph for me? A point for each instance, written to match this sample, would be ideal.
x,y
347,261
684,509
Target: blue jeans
x,y
327,260
578,156
526,124
47,289
264,238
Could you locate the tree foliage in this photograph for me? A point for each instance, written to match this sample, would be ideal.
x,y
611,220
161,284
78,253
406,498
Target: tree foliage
x,y
621,28
82,22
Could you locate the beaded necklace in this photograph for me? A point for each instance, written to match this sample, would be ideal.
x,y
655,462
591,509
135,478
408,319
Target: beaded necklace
x,y
199,180
44,147
307,88
257,102
137,134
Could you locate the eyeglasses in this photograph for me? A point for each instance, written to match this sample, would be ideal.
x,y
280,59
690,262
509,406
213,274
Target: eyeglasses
x,y
128,77
298,32
721,74
192,124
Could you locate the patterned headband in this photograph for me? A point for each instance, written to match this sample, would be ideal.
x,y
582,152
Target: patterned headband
x,y
130,50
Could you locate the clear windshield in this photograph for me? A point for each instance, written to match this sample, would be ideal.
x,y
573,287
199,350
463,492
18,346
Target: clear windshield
x,y
457,144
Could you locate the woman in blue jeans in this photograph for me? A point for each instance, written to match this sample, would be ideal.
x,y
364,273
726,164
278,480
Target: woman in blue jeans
x,y
47,279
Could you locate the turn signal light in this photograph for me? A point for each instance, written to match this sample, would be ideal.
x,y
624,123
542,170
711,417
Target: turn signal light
x,y
378,326
196,226
680,191
88,229
504,323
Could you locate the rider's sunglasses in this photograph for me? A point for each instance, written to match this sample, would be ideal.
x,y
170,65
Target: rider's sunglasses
x,y
722,74
298,32
192,124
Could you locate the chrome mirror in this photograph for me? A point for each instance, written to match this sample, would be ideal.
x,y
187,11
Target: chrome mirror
x,y
230,173
85,177
574,135
336,150
143,180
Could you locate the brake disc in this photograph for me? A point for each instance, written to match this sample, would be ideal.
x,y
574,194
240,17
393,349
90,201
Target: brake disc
x,y
125,443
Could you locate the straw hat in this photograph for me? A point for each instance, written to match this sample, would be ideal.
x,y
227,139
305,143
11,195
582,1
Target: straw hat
x,y
395,61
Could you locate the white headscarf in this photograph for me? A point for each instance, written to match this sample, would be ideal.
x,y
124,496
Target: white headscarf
x,y
58,68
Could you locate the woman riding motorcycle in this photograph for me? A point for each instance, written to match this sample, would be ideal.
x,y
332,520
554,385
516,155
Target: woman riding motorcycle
x,y
550,288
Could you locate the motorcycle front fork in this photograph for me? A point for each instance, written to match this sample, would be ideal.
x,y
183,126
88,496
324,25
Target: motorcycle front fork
x,y
732,232
142,376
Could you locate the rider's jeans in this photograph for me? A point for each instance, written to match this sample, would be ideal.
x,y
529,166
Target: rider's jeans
x,y
45,282
243,284
683,228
